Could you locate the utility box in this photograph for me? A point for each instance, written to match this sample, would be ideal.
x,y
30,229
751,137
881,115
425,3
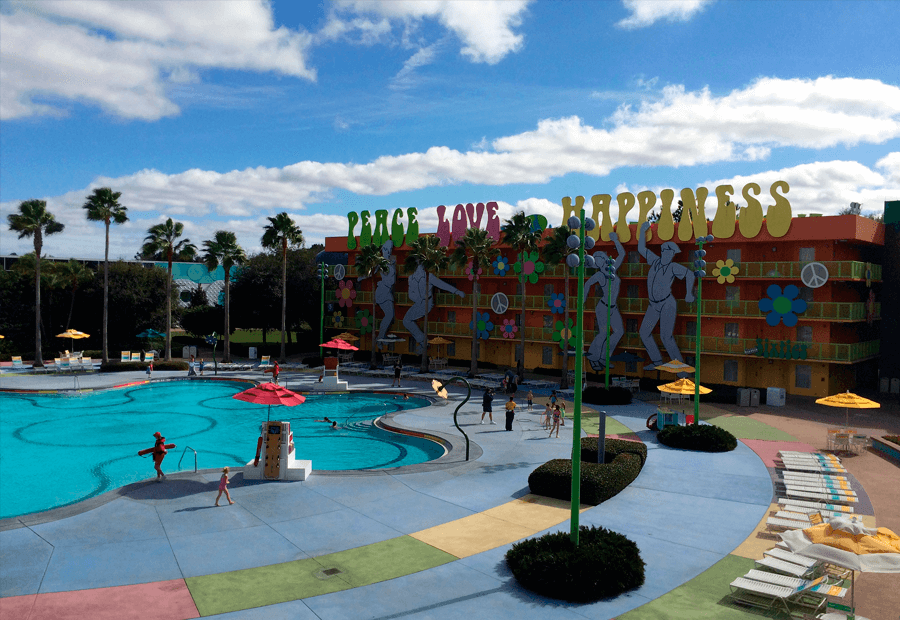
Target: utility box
x,y
754,398
775,397
743,397
884,385
187,352
251,352
895,386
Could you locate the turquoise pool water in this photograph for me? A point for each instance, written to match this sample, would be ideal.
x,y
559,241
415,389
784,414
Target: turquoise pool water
x,y
60,449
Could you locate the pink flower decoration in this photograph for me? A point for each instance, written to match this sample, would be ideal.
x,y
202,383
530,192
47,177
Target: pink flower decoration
x,y
346,293
509,328
470,274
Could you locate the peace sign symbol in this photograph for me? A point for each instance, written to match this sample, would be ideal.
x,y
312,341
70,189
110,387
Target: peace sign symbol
x,y
499,303
339,272
814,275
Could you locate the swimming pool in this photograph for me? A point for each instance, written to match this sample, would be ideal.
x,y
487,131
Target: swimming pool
x,y
59,449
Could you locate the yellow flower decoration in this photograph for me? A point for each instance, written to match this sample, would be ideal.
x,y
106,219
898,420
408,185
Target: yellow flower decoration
x,y
725,271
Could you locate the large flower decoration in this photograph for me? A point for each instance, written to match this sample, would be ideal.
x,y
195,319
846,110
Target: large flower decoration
x,y
509,328
364,321
725,271
482,325
782,306
530,266
471,274
338,319
501,266
563,334
557,303
345,293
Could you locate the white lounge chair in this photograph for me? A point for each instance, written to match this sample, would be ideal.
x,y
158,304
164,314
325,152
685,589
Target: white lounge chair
x,y
814,488
827,497
803,505
126,356
787,568
777,598
789,556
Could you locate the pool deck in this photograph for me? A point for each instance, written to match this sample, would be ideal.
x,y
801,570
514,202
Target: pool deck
x,y
423,542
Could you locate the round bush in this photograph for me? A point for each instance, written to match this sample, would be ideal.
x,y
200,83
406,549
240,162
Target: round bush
x,y
604,564
703,438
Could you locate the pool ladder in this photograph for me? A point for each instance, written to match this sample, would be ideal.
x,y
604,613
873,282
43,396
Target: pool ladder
x,y
183,452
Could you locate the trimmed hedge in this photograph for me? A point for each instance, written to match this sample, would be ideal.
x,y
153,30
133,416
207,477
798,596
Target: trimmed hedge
x,y
613,396
623,461
702,438
604,564
117,366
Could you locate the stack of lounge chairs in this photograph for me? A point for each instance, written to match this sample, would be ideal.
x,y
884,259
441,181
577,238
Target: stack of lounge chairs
x,y
814,482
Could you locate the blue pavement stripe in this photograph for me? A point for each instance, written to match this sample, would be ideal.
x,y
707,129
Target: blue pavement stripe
x,y
121,520
334,531
23,559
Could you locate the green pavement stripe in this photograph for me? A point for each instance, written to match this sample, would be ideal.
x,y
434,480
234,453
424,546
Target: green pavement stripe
x,y
748,428
704,596
289,581
591,424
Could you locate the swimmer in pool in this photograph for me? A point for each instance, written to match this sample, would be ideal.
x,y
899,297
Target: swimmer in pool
x,y
325,420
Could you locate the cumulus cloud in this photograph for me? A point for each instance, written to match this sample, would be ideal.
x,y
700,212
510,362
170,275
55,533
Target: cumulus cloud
x,y
484,27
124,56
647,12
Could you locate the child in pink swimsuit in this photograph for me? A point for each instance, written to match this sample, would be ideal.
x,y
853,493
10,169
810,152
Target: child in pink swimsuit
x,y
223,487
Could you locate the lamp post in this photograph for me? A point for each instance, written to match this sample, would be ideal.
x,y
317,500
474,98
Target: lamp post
x,y
700,273
441,390
610,274
579,260
321,271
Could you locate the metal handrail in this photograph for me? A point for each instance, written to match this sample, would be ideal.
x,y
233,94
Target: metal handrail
x,y
182,458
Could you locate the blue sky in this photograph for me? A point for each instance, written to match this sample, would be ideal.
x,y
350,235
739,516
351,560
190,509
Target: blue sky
x,y
221,114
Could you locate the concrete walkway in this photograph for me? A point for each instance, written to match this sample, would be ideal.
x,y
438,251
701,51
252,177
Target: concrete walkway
x,y
421,542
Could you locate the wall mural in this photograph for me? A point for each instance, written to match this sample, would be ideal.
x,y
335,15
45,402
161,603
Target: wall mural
x,y
662,308
608,293
421,289
384,290
725,271
782,306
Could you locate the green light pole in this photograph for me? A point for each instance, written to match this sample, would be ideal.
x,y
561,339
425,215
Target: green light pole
x,y
700,273
610,274
580,260
321,274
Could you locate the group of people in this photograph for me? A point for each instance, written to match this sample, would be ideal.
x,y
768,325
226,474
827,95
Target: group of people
x,y
552,417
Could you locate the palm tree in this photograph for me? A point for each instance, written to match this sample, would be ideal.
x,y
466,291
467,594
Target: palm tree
x,y
518,233
369,262
555,252
426,252
163,238
103,206
223,249
75,274
33,220
477,247
279,234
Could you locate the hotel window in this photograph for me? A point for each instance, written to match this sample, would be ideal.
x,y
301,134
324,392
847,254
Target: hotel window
x,y
807,255
548,321
803,376
735,256
732,296
806,294
451,349
731,331
634,256
804,333
633,291
730,370
519,351
518,287
689,360
690,329
631,326
547,356
548,290
519,320
630,366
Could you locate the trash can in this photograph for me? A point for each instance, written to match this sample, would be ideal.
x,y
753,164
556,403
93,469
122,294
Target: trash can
x,y
884,385
252,352
775,397
743,397
895,386
754,398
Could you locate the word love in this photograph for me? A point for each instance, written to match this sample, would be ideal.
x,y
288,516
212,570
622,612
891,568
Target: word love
x,y
693,217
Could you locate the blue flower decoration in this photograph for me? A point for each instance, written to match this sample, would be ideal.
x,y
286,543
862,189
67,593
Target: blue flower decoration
x,y
482,326
501,266
782,306
557,303
211,340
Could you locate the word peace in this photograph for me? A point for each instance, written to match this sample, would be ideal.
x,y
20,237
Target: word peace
x,y
367,236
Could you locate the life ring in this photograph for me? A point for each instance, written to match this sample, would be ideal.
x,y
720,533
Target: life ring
x,y
651,422
168,446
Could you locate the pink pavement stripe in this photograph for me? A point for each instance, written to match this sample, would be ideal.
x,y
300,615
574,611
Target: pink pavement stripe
x,y
768,450
161,600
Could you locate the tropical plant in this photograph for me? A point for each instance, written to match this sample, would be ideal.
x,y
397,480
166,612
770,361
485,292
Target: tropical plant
x,y
223,249
369,262
75,273
518,233
426,251
103,206
477,247
281,233
555,252
33,220
164,238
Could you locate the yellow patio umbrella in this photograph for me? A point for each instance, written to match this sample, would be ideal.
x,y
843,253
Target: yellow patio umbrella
x,y
439,340
675,366
73,334
849,401
347,336
682,386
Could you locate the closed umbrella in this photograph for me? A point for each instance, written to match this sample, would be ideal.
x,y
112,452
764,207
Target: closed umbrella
x,y
846,542
270,394
848,401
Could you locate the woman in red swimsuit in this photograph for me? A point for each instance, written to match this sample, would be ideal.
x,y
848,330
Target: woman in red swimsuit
x,y
159,453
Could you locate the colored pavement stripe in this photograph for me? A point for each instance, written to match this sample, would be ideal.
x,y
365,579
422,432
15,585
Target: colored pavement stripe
x,y
743,427
591,426
768,450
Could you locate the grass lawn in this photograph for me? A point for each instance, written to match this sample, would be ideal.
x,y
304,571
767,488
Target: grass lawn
x,y
254,336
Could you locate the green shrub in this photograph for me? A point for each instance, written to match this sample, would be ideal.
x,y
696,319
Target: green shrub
x,y
702,438
604,564
623,461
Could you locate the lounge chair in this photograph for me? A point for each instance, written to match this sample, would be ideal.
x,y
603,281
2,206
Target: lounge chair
x,y
800,505
780,523
86,364
135,356
126,356
788,568
828,497
17,363
264,362
799,475
789,556
149,357
780,598
64,364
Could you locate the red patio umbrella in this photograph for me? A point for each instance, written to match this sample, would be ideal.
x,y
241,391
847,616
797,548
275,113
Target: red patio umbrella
x,y
270,394
337,343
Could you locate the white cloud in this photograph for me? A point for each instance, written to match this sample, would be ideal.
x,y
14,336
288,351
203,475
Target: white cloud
x,y
423,56
124,56
890,163
648,12
485,27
